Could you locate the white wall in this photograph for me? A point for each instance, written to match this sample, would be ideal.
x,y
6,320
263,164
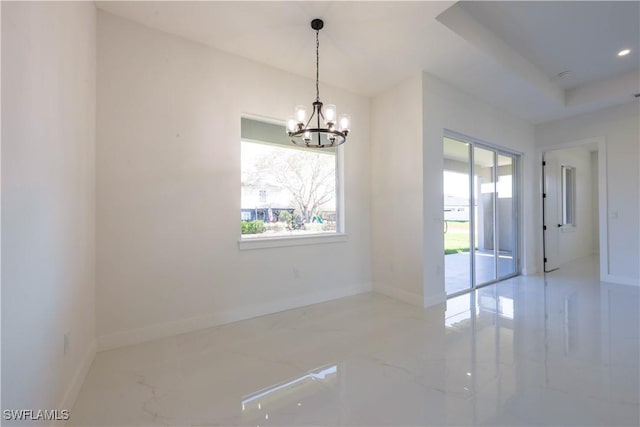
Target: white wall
x,y
168,189
573,242
406,168
620,127
445,107
396,192
48,195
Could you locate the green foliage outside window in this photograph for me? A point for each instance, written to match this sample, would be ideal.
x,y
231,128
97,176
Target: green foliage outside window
x,y
285,216
253,227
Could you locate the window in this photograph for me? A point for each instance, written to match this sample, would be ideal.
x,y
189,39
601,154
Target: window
x,y
568,178
286,190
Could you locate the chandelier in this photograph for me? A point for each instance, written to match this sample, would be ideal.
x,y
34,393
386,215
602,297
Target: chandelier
x,y
323,129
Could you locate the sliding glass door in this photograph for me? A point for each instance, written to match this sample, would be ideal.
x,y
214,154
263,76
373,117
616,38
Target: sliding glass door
x,y
507,213
457,215
484,190
480,214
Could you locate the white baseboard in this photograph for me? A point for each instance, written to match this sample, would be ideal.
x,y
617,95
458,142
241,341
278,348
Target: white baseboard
x,y
167,329
620,280
431,300
70,396
399,294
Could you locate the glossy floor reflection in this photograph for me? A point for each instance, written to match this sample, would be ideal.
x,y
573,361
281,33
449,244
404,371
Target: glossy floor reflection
x,y
523,352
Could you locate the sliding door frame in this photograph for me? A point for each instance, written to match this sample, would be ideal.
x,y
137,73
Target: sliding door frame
x,y
516,206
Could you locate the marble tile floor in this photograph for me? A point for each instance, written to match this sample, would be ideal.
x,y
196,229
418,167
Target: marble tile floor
x,y
530,351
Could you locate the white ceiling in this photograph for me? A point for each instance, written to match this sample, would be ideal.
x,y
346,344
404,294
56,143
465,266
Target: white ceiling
x,y
506,53
555,36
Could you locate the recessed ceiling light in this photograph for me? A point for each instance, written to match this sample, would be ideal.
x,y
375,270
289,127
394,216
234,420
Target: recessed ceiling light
x,y
624,52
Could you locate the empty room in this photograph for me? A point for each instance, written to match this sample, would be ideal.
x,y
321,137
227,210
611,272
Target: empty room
x,y
334,213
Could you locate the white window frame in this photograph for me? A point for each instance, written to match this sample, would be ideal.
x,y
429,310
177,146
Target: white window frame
x,y
338,236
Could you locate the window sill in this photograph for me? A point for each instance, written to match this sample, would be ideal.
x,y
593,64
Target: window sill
x,y
279,242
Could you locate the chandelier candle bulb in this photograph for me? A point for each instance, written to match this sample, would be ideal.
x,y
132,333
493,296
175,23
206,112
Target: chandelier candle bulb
x,y
330,114
301,114
291,124
345,123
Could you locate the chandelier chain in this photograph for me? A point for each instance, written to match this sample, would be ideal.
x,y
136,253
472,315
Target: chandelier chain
x,y
317,65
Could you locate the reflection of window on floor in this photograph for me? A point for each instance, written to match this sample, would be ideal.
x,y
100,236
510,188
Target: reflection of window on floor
x,y
289,394
505,307
286,190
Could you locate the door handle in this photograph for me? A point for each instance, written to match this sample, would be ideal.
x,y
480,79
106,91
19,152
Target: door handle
x,y
559,225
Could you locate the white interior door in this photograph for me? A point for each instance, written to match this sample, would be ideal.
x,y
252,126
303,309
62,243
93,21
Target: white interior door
x,y
551,213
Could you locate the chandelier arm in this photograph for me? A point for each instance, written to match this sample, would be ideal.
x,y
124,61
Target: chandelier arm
x,y
306,127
